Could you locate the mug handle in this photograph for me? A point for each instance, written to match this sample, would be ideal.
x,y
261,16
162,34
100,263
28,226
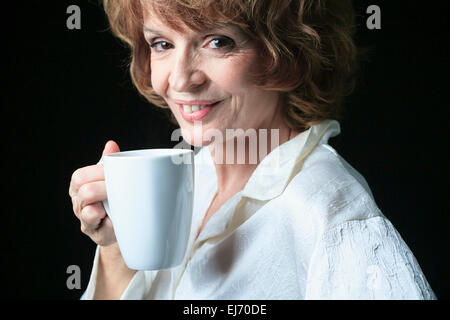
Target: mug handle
x,y
105,202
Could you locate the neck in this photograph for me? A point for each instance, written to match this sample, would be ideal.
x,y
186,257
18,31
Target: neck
x,y
238,156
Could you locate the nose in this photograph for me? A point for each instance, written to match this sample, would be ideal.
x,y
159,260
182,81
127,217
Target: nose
x,y
185,74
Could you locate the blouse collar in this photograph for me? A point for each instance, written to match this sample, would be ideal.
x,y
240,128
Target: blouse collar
x,y
275,171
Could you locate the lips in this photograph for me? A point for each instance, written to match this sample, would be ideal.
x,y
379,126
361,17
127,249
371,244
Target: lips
x,y
195,102
197,115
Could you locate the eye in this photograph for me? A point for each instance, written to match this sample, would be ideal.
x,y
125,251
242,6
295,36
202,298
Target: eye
x,y
222,42
160,46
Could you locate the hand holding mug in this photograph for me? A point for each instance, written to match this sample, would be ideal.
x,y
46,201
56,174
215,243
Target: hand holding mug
x,y
87,191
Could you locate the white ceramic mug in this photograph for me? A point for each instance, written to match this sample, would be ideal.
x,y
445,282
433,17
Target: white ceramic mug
x,y
150,201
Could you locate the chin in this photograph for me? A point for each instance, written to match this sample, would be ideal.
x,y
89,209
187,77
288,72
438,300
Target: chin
x,y
200,136
194,137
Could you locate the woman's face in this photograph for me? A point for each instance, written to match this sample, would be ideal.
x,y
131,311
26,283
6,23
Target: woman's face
x,y
213,66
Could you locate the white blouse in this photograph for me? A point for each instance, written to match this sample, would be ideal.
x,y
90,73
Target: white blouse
x,y
305,226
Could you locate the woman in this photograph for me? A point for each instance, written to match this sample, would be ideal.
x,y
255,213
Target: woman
x,y
293,221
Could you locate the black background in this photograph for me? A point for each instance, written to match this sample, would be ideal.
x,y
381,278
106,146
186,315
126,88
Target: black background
x,y
66,92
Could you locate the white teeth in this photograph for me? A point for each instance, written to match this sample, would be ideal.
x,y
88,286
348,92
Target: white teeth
x,y
189,109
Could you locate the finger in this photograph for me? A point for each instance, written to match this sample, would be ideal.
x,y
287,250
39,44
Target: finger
x,y
92,192
85,175
110,147
93,214
104,235
91,224
91,173
76,206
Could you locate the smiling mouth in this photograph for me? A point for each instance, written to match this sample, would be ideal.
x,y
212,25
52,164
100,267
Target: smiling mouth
x,y
196,112
188,109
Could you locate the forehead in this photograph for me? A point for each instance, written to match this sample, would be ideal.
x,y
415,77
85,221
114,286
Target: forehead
x,y
179,17
152,19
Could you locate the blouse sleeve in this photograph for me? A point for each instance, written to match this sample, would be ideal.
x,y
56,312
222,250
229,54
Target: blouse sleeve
x,y
138,288
365,259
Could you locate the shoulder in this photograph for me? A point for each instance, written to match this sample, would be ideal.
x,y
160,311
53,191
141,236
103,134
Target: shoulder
x,y
357,252
330,190
365,259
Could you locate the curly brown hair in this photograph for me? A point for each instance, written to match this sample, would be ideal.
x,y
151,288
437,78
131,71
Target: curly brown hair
x,y
306,47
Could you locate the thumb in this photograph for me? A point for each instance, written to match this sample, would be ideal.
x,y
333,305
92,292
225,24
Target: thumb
x,y
110,147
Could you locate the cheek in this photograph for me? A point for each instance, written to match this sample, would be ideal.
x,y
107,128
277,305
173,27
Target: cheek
x,y
232,75
157,78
